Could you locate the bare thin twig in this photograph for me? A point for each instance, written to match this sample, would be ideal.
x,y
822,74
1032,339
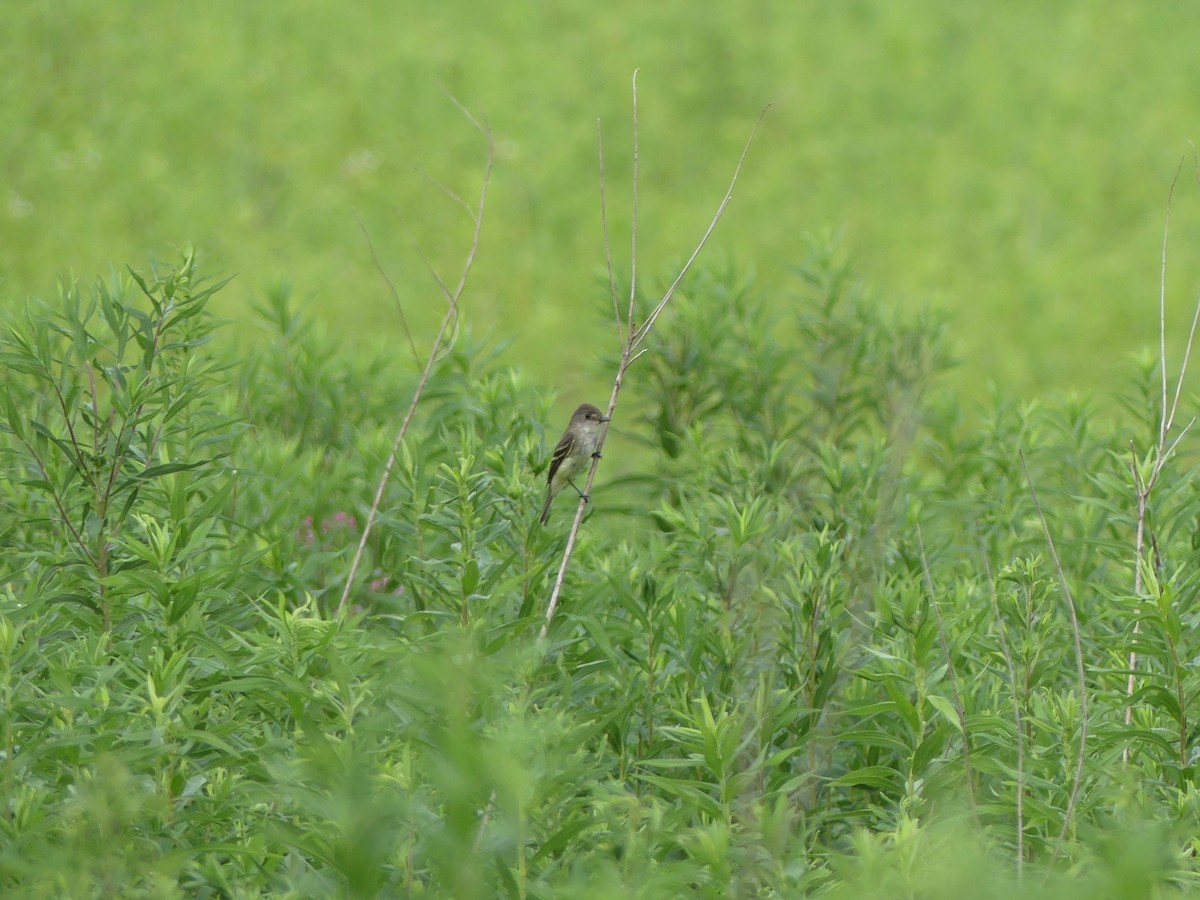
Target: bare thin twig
x,y
480,126
388,281
1179,437
1187,353
429,266
640,334
632,338
1080,674
1162,304
1144,484
633,222
435,352
447,191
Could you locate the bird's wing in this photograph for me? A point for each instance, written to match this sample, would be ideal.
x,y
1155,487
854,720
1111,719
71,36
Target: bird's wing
x,y
560,453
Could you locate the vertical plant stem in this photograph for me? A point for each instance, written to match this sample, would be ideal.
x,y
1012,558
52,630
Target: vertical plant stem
x,y
1018,723
956,693
435,353
1080,674
1144,484
634,337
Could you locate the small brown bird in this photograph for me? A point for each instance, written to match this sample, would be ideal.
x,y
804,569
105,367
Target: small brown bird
x,y
579,443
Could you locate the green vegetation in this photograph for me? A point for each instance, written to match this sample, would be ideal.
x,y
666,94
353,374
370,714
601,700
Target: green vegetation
x,y
814,642
1009,161
859,607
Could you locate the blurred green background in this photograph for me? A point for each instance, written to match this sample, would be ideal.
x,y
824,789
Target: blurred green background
x,y
1006,162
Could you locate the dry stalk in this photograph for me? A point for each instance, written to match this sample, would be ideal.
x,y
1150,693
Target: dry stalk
x,y
633,337
387,279
440,345
1144,482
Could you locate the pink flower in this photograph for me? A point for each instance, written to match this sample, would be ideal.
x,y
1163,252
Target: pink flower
x,y
339,520
305,532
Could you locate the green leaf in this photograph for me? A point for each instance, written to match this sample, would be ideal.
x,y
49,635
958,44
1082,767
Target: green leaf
x,y
880,777
470,577
167,468
945,707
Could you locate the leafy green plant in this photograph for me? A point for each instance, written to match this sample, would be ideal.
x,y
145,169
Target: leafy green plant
x,y
826,651
120,437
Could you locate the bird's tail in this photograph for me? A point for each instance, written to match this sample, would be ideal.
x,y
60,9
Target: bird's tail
x,y
546,506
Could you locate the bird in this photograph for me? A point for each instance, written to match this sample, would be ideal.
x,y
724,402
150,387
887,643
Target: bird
x,y
579,443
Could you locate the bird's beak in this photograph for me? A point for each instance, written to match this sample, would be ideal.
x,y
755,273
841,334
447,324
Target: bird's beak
x,y
606,418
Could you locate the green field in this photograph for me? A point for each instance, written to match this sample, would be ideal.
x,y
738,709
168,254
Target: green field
x,y
1007,163
887,585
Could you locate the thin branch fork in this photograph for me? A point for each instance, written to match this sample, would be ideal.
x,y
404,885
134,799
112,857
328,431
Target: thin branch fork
x,y
641,333
1164,448
632,337
436,352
